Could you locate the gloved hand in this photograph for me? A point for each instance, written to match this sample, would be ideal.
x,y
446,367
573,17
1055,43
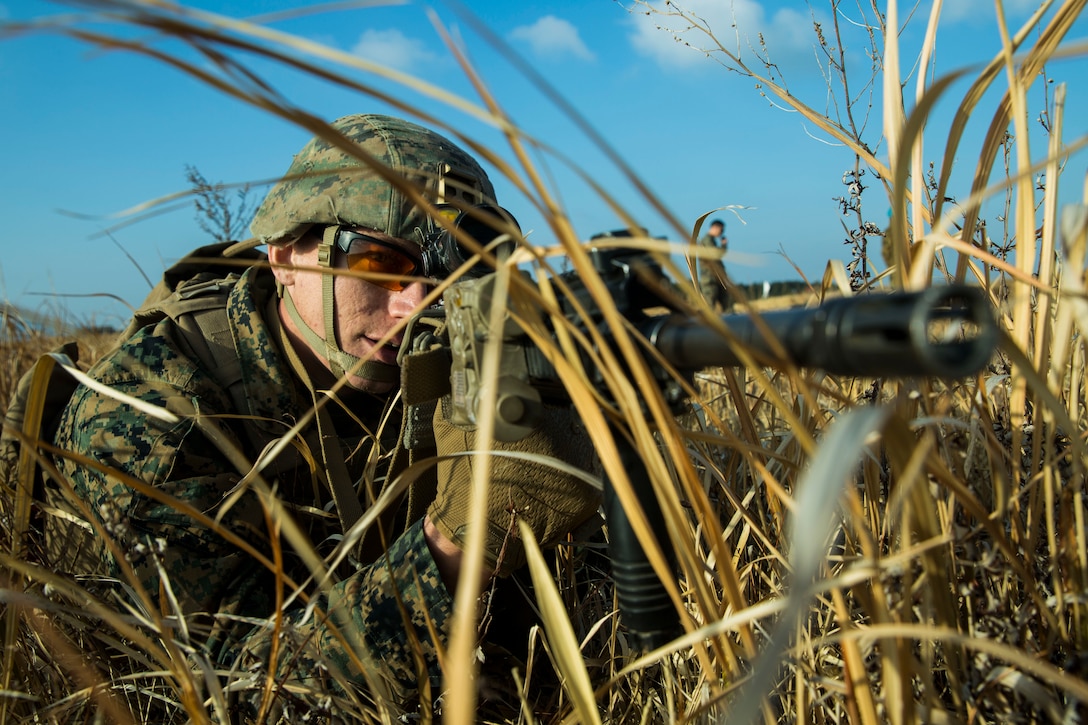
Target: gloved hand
x,y
551,501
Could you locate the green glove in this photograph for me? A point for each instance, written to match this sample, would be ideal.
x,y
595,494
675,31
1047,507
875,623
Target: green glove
x,y
551,501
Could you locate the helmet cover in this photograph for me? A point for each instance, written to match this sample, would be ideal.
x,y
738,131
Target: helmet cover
x,y
360,174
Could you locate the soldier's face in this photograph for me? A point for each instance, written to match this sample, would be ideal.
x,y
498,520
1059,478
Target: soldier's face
x,y
365,312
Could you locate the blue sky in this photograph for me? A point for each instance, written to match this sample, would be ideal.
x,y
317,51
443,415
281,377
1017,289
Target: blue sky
x,y
89,134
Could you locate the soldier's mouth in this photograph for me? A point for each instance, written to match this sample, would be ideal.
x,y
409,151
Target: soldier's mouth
x,y
384,352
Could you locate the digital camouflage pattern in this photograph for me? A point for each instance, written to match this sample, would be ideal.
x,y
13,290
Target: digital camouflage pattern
x,y
362,173
207,573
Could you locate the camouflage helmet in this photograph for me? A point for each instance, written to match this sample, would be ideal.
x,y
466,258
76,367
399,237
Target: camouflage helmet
x,y
362,173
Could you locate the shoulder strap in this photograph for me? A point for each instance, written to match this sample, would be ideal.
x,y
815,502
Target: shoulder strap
x,y
200,312
193,293
194,275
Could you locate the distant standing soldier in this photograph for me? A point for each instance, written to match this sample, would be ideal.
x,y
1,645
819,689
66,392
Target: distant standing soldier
x,y
711,272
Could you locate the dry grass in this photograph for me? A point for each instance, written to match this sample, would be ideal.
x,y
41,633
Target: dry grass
x,y
18,351
849,550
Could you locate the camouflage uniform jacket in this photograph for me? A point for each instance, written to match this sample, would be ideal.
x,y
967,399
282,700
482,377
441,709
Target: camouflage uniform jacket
x,y
213,580
707,267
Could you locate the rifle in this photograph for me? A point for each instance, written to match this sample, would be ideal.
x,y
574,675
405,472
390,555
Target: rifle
x,y
946,332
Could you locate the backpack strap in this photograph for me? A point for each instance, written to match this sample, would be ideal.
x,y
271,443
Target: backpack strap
x,y
42,393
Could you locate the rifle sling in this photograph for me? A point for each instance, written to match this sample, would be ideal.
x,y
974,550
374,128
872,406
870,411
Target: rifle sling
x,y
425,376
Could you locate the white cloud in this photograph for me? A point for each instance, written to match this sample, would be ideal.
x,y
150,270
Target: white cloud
x,y
791,30
552,37
674,41
394,49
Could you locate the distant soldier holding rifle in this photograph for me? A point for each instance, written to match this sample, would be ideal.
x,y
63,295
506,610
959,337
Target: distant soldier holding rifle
x,y
711,272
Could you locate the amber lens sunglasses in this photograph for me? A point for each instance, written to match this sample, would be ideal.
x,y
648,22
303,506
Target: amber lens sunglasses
x,y
368,255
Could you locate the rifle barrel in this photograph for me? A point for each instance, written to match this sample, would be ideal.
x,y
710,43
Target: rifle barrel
x,y
947,331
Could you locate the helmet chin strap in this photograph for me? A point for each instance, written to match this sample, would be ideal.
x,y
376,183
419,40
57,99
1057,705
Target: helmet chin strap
x,y
328,347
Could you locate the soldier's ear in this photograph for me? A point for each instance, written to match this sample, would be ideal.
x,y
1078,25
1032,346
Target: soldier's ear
x,y
284,261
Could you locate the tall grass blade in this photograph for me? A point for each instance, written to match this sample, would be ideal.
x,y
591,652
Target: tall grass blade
x,y
564,644
820,491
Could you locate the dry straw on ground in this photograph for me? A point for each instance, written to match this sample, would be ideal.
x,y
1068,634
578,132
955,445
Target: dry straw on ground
x,y
849,550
